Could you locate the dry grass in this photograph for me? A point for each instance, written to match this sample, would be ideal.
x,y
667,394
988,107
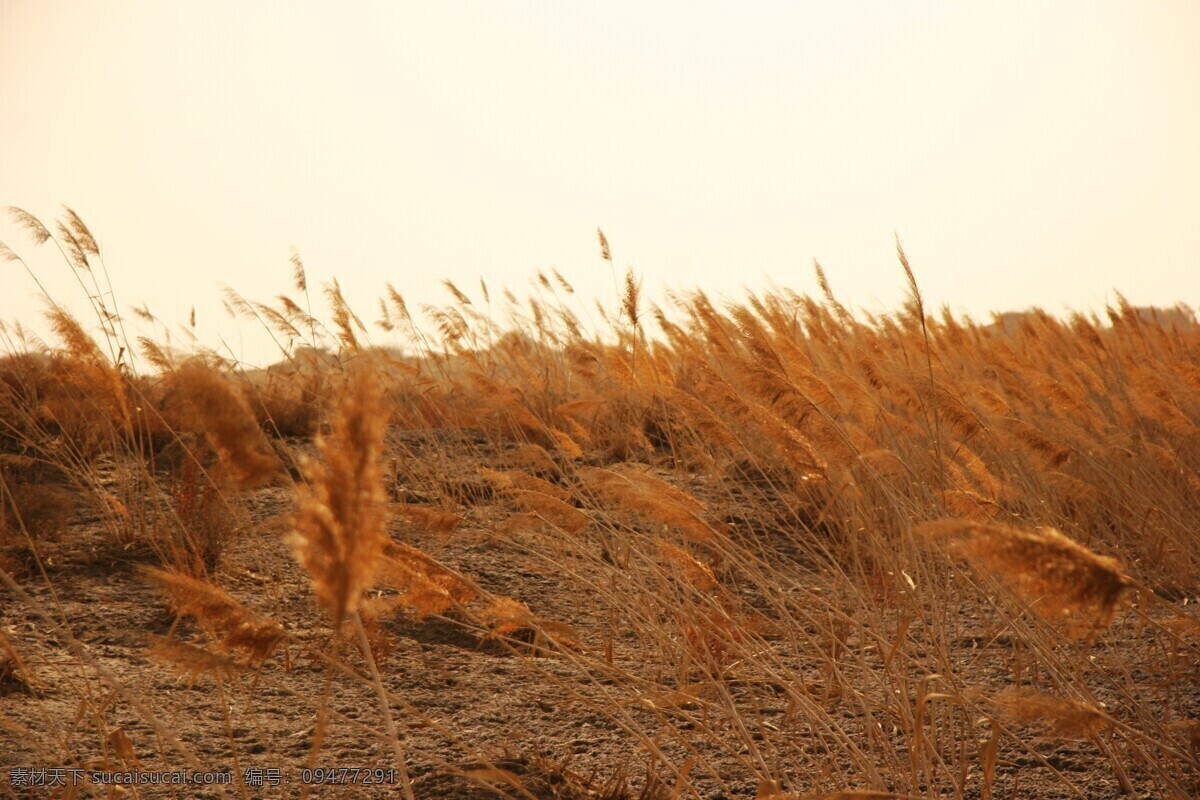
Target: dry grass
x,y
340,527
207,402
222,617
700,546
1059,716
1058,577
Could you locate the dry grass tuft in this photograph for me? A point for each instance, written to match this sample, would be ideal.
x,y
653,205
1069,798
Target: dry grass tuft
x,y
538,775
428,520
717,494
427,586
14,672
651,499
1061,579
206,520
556,512
1189,731
195,661
506,617
81,394
232,625
208,403
42,508
340,528
1063,718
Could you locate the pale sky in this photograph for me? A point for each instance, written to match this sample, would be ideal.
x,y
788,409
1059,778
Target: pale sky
x,y
1026,153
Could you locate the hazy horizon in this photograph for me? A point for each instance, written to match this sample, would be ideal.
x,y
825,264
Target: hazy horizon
x,y
1026,155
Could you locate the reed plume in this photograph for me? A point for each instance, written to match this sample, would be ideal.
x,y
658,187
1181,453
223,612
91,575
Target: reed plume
x,y
514,480
32,225
630,298
650,498
507,616
340,527
1063,718
696,573
427,586
195,661
1063,580
89,371
235,627
209,403
558,513
605,252
429,520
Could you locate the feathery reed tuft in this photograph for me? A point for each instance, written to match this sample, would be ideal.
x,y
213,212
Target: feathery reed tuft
x,y
209,404
340,528
1062,579
428,586
650,498
195,661
1063,718
430,520
508,617
235,627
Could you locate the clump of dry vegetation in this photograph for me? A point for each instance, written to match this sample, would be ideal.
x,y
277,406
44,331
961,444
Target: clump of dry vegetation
x,y
1061,578
341,523
764,549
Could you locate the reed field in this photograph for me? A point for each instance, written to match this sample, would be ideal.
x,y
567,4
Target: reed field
x,y
542,546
